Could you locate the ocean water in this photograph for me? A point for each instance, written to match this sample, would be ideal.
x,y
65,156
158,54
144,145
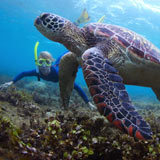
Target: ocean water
x,y
18,34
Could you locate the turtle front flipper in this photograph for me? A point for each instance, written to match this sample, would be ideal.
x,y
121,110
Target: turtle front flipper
x,y
68,68
110,96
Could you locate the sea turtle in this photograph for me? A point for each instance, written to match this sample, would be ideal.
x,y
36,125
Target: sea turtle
x,y
106,53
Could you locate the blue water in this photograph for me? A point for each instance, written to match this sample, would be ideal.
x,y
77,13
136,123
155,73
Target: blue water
x,y
18,34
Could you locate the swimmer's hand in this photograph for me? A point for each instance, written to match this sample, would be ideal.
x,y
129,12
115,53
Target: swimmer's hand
x,y
5,85
91,106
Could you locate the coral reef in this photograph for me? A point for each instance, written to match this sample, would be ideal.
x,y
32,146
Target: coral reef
x,y
35,131
72,135
15,97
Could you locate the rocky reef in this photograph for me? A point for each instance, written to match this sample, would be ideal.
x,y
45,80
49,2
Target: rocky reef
x,y
43,131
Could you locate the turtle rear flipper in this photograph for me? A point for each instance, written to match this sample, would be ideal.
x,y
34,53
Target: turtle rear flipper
x,y
157,92
110,96
68,68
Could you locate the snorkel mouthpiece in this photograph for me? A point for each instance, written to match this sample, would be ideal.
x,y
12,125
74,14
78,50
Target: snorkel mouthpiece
x,y
45,70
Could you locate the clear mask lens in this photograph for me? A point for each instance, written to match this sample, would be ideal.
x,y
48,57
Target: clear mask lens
x,y
46,62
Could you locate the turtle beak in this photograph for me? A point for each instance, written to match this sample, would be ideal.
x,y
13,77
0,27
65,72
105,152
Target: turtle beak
x,y
37,21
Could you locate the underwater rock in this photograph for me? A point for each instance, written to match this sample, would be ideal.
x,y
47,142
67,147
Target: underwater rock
x,y
45,99
33,107
39,87
15,97
4,78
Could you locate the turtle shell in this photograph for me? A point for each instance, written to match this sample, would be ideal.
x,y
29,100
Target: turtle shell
x,y
131,42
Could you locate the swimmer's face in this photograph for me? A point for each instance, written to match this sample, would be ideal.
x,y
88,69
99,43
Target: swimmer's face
x,y
45,70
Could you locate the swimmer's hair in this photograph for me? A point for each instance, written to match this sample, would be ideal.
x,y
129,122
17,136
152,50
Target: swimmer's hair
x,y
46,55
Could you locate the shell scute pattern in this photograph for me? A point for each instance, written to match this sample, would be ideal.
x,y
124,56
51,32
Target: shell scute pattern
x,y
132,42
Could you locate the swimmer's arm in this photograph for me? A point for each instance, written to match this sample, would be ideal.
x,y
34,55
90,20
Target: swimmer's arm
x,y
24,74
81,93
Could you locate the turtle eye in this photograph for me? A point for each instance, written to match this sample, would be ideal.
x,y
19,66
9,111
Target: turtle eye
x,y
44,23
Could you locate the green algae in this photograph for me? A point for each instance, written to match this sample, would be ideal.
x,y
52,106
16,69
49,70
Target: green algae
x,y
71,135
15,97
67,139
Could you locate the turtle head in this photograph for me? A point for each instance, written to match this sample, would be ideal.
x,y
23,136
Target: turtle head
x,y
51,26
59,29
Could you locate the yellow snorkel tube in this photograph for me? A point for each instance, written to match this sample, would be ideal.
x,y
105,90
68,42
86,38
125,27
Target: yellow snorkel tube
x,y
35,52
36,59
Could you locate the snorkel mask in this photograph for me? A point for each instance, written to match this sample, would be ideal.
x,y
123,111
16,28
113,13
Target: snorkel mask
x,y
42,64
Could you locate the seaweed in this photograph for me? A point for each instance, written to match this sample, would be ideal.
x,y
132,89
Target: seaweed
x,y
50,133
70,137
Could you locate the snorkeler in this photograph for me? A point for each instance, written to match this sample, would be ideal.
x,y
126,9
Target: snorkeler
x,y
49,72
